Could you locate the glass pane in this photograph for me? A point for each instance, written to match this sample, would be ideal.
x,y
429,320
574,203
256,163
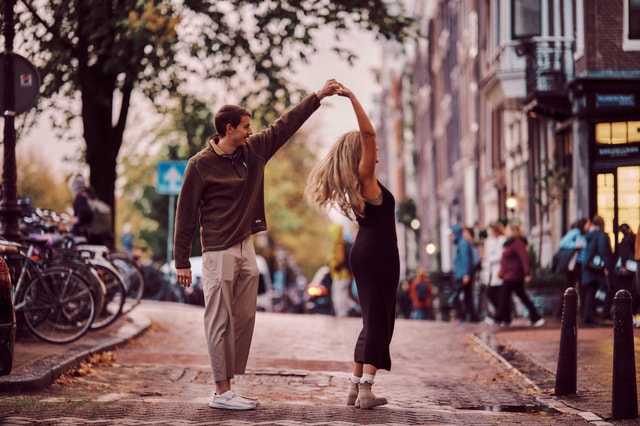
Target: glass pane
x,y
629,196
634,130
619,132
603,133
634,19
605,202
525,18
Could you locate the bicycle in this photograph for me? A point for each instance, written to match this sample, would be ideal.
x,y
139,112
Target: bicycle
x,y
56,303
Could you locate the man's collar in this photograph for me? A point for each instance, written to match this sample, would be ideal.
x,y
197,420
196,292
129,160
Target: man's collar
x,y
216,148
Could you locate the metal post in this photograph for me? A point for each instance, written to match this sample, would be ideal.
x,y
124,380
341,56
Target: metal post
x,y
9,208
566,374
172,209
624,399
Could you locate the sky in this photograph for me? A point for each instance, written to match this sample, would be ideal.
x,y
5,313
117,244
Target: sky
x,y
333,118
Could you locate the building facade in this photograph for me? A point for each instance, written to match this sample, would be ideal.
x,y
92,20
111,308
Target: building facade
x,y
535,103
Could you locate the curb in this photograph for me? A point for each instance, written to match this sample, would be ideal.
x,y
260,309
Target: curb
x,y
547,400
45,371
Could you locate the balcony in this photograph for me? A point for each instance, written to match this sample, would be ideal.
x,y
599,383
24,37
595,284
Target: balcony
x,y
549,69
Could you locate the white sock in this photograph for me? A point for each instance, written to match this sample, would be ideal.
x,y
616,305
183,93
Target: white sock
x,y
355,380
367,378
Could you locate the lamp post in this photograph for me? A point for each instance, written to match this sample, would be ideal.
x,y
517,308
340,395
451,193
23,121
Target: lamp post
x,y
9,208
415,225
512,203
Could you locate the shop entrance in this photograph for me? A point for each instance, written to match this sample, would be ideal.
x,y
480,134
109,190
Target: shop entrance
x,y
618,199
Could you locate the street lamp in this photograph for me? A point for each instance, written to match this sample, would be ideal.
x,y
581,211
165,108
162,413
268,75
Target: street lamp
x,y
512,202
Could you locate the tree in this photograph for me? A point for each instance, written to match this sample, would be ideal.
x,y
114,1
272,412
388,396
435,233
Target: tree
x,y
101,51
294,223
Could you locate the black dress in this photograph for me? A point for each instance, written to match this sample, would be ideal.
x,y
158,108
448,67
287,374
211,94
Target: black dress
x,y
375,264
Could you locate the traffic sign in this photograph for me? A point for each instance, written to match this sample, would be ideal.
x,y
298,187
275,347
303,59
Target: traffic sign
x,y
169,177
26,82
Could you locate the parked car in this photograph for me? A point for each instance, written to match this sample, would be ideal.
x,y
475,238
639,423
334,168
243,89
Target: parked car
x,y
317,297
195,296
7,320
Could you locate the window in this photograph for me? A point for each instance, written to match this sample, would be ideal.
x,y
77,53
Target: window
x,y
631,39
525,19
620,132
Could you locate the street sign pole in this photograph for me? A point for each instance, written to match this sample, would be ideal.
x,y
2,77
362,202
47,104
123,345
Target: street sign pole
x,y
169,182
172,213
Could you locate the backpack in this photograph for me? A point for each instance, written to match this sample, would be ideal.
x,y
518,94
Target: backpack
x,y
422,291
101,223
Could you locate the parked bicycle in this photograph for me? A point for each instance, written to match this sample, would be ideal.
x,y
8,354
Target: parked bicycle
x,y
55,302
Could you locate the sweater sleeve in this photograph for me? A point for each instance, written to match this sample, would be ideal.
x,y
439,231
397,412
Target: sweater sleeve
x,y
269,140
187,213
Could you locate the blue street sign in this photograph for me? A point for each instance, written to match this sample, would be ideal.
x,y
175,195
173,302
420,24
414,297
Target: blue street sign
x,y
169,177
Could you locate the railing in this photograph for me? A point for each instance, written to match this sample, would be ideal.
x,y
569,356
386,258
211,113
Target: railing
x,y
549,66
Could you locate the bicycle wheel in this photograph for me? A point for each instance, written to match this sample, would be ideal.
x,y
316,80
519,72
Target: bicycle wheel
x,y
114,298
57,306
87,272
133,278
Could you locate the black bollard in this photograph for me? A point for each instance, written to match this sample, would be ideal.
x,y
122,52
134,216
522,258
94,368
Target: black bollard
x,y
566,373
624,400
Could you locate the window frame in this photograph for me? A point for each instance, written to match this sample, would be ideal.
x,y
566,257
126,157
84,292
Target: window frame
x,y
628,44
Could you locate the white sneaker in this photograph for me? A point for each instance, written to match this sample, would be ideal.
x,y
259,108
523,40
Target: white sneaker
x,y
538,323
231,401
489,320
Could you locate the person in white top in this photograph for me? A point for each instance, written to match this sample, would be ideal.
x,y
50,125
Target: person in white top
x,y
493,245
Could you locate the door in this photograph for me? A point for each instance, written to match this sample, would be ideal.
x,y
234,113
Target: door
x,y
618,200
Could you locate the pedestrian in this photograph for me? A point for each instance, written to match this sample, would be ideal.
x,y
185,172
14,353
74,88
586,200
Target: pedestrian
x,y
223,190
624,279
421,295
493,246
346,179
571,243
126,239
515,271
404,306
92,218
464,276
636,322
595,273
340,272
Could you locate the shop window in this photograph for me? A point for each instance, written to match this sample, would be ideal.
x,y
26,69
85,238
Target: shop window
x,y
620,132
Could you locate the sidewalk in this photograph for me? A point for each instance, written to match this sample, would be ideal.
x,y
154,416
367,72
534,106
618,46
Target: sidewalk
x,y
532,352
37,364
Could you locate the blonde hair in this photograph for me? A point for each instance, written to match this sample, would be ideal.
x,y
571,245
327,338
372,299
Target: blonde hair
x,y
515,229
334,182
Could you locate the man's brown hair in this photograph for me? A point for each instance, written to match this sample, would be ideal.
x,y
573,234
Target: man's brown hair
x,y
229,114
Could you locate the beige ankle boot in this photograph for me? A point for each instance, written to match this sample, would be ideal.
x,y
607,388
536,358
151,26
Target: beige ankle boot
x,y
353,393
366,399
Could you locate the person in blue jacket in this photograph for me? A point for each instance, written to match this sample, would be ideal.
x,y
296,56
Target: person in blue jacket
x,y
598,262
463,271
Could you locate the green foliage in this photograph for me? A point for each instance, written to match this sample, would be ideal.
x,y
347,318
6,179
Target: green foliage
x,y
293,223
41,184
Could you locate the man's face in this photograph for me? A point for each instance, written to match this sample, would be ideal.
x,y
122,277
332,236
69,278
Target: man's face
x,y
242,132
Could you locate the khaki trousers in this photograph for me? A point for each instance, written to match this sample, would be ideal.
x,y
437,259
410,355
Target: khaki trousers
x,y
230,286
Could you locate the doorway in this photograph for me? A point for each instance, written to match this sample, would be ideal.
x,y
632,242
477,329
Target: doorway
x,y
618,200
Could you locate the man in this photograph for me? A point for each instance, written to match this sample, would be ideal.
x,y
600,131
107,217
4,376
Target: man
x,y
223,187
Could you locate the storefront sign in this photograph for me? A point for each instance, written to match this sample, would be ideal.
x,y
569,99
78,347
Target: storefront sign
x,y
629,150
615,101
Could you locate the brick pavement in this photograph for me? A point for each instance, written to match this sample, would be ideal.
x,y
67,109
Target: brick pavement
x,y
299,366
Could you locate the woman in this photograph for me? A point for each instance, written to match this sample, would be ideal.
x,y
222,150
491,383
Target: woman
x,y
493,247
573,240
515,271
346,179
624,278
595,273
